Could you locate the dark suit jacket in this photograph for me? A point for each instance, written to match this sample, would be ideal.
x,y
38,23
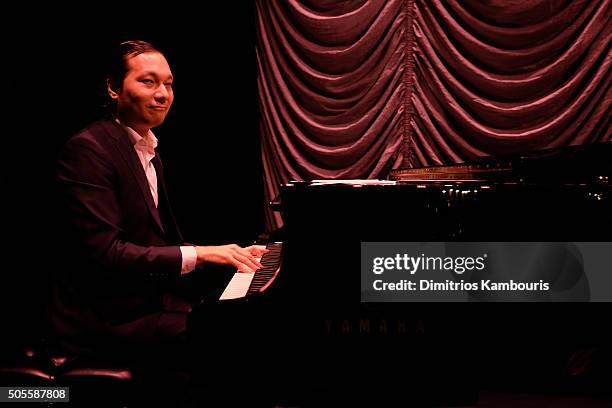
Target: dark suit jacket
x,y
122,255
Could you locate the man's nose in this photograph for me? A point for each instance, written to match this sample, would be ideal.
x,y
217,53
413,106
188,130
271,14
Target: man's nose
x,y
161,93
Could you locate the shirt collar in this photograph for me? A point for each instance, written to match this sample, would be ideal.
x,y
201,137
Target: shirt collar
x,y
146,144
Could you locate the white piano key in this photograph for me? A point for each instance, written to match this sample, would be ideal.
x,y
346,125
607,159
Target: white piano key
x,y
238,286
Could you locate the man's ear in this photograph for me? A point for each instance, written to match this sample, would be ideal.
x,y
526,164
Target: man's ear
x,y
112,89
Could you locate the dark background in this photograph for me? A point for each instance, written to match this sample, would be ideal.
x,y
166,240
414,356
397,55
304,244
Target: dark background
x,y
209,143
55,86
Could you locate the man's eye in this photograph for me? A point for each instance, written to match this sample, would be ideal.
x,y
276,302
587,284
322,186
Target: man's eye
x,y
168,84
146,81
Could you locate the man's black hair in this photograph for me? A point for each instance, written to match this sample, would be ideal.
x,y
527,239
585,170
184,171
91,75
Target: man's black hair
x,y
117,66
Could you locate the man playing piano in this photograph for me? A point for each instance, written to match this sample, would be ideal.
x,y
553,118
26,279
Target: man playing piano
x,y
119,289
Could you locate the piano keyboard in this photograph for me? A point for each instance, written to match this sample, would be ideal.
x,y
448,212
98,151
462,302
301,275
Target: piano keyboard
x,y
243,283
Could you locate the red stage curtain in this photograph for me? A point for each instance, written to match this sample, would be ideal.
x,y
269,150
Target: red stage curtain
x,y
351,89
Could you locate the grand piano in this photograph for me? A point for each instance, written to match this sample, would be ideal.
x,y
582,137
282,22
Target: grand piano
x,y
443,352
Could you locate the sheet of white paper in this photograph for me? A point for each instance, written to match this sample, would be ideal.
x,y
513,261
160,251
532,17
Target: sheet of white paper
x,y
354,182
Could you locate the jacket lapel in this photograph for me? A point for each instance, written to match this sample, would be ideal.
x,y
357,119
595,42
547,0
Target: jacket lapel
x,y
130,156
161,181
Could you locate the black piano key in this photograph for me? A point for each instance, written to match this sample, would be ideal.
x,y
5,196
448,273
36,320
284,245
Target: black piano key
x,y
270,261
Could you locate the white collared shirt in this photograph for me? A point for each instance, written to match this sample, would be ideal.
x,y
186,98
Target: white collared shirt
x,y
145,148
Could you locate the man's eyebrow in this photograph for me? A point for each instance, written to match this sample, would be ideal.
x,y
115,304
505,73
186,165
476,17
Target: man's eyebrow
x,y
153,73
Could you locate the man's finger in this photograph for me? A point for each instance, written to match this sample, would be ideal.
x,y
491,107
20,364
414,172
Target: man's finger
x,y
241,267
244,252
257,250
249,261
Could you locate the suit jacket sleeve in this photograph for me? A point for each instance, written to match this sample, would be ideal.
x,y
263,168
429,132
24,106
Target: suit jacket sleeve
x,y
87,182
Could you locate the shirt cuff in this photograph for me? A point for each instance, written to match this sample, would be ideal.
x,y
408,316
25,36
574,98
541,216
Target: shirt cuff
x,y
189,259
